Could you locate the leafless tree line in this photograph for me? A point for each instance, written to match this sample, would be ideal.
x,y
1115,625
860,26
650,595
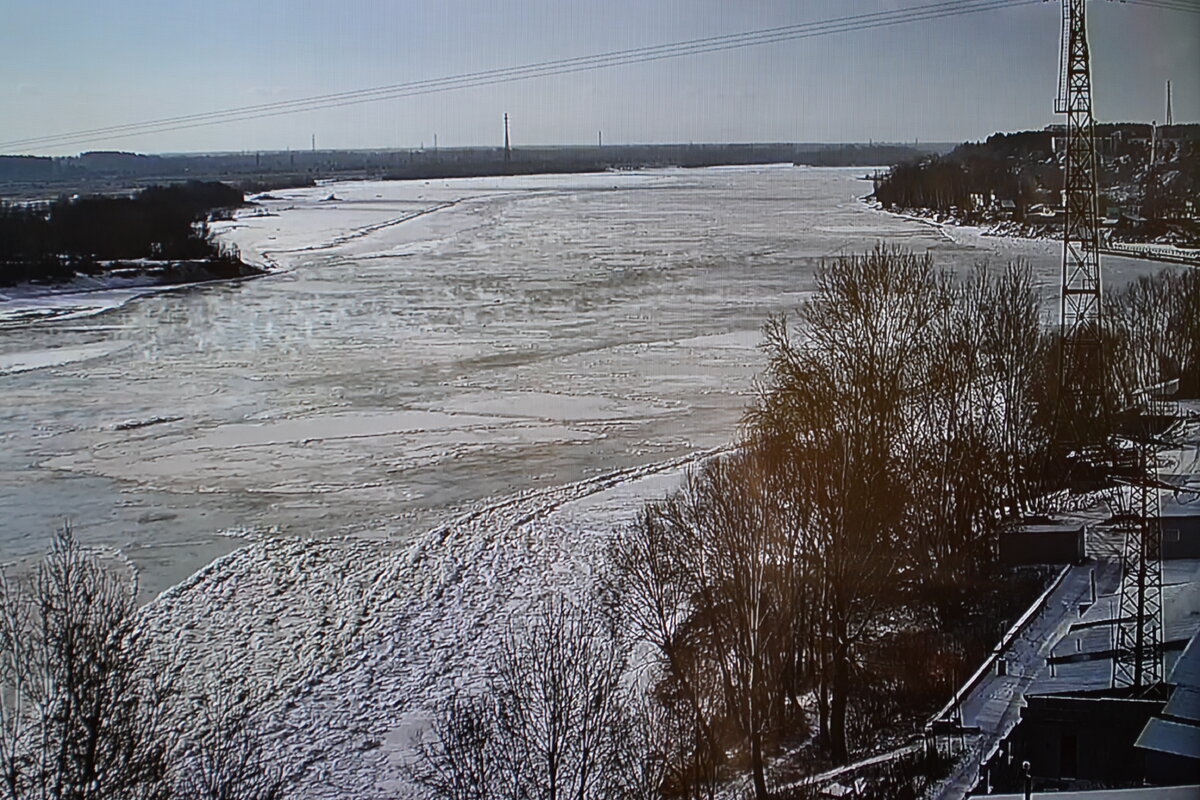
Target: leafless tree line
x,y
902,416
83,699
556,720
1155,324
895,423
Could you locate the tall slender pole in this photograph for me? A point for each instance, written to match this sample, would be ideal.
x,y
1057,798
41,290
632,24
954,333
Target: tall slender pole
x,y
507,144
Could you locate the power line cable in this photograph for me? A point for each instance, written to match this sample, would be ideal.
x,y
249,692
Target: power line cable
x,y
489,73
513,73
1167,5
849,23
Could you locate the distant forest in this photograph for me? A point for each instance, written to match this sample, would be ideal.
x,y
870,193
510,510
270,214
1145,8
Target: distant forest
x,y
56,241
112,172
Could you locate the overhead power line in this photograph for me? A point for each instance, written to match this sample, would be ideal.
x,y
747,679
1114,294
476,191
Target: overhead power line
x,y
1187,6
845,24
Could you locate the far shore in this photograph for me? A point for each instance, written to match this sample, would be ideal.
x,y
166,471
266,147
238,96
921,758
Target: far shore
x,y
37,301
1008,229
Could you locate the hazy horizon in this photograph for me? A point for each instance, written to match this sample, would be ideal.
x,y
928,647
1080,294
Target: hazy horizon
x,y
71,65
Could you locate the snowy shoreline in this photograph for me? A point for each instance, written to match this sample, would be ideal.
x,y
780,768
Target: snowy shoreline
x,y
999,230
86,295
355,642
1017,232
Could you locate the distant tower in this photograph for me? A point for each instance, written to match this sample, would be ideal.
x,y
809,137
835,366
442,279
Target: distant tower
x,y
314,143
507,143
600,138
1169,119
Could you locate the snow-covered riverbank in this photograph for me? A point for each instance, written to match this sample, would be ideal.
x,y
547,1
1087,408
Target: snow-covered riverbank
x,y
353,642
950,226
88,295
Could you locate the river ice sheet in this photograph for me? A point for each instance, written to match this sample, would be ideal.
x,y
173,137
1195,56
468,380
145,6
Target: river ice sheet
x,y
426,345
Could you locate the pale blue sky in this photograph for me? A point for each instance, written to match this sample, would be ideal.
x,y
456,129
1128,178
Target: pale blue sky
x,y
71,64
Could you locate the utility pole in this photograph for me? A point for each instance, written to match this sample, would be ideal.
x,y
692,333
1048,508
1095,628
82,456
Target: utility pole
x,y
507,143
1169,120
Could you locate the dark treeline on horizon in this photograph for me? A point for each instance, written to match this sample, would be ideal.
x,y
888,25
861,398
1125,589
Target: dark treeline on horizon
x,y
57,240
31,177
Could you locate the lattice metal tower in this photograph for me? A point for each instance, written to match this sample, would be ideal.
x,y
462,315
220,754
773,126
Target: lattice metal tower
x,y
1138,660
1081,309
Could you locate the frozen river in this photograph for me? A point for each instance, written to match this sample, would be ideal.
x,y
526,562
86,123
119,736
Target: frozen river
x,y
427,345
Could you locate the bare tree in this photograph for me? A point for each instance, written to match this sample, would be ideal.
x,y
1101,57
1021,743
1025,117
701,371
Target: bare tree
x,y
1015,352
552,724
457,759
222,758
78,719
650,566
713,577
841,400
1156,331
644,747
980,423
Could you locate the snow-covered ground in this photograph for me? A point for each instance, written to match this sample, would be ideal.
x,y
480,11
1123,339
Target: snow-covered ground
x,y
1019,238
354,642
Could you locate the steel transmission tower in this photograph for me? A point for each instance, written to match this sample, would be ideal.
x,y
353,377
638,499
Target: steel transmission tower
x,y
1138,659
1081,371
1081,311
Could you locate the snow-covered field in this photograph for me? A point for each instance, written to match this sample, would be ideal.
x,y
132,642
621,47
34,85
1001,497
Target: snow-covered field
x,y
440,406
